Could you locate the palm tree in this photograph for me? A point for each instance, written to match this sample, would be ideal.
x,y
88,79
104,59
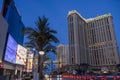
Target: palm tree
x,y
41,38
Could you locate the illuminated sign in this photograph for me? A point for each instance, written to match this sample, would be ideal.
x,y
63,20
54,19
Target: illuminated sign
x,y
21,55
11,48
29,63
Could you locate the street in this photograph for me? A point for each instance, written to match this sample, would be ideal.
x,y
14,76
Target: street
x,y
71,77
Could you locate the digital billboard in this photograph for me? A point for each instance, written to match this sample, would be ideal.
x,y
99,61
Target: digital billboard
x,y
21,55
11,48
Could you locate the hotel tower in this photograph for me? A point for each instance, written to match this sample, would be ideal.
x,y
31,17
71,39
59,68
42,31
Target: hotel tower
x,y
62,55
92,40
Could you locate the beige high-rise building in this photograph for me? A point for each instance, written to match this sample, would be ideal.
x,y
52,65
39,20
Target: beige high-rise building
x,y
92,40
62,55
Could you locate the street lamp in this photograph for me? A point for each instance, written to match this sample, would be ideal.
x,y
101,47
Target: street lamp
x,y
41,53
40,61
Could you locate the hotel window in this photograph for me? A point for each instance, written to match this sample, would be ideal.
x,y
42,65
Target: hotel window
x,y
72,61
107,27
110,35
98,23
101,23
71,18
107,21
78,19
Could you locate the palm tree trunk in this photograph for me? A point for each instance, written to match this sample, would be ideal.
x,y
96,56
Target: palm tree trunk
x,y
40,68
41,76
40,61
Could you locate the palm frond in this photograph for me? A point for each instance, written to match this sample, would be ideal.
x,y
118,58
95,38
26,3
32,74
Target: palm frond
x,y
46,58
45,67
49,48
53,38
27,30
41,23
52,31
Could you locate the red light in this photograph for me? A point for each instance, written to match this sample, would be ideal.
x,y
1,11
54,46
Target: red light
x,y
115,78
1,65
103,78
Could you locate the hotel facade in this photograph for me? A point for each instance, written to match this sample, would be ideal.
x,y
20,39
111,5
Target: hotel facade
x,y
92,41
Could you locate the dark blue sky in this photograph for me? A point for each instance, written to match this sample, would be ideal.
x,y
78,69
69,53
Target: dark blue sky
x,y
57,10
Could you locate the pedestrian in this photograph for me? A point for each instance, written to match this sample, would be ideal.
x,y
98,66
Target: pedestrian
x,y
10,76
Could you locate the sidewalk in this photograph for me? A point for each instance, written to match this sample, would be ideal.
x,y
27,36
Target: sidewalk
x,y
22,78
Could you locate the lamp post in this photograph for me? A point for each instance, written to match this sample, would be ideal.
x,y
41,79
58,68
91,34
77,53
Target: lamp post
x,y
35,72
40,59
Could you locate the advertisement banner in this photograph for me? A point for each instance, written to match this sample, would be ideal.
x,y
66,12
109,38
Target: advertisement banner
x,y
21,55
30,63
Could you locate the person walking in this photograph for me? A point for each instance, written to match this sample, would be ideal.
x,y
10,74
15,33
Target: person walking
x,y
10,76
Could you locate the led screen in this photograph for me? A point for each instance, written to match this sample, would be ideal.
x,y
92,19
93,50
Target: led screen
x,y
11,48
21,55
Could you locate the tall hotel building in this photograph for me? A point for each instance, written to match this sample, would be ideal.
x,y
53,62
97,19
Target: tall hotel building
x,y
92,40
62,55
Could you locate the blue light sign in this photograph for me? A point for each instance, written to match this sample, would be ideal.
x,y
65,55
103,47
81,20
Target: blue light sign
x,y
11,48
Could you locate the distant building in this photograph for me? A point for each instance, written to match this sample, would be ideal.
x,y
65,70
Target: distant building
x,y
92,40
62,55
